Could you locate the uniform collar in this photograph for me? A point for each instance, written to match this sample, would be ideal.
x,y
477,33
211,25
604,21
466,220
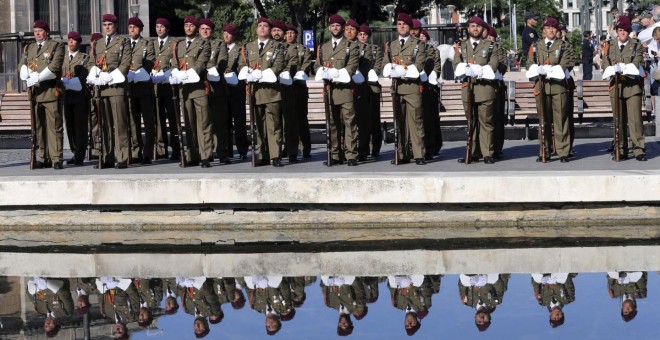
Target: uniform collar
x,y
337,41
472,41
546,40
265,42
405,39
230,46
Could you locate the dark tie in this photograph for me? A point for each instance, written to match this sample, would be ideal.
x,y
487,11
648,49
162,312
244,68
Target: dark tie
x,y
160,46
548,44
402,41
188,44
261,47
621,48
107,42
39,48
132,45
334,45
70,57
474,45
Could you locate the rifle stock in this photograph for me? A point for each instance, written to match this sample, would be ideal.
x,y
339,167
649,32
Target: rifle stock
x,y
617,116
178,111
253,123
470,120
542,115
33,131
396,114
327,101
99,113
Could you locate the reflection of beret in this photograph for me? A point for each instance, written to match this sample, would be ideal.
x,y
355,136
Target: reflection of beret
x,y
364,28
477,20
109,18
41,24
231,29
192,20
278,24
530,15
207,22
135,22
624,23
75,36
407,19
416,24
264,19
550,22
95,36
352,23
291,27
164,22
336,19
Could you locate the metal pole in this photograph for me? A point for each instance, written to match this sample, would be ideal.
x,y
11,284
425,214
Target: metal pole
x,y
86,326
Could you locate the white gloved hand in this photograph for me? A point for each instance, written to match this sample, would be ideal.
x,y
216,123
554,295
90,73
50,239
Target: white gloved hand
x,y
31,82
99,82
256,74
131,76
542,71
333,73
106,77
250,78
618,68
325,74
469,72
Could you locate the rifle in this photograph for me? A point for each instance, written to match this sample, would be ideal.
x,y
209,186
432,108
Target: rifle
x,y
249,89
99,105
178,111
396,106
33,127
617,117
327,101
542,115
470,120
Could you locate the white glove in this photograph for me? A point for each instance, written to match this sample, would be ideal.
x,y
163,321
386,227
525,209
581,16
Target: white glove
x,y
256,75
174,77
131,76
541,70
33,80
250,78
618,68
469,72
106,77
398,71
325,74
99,82
333,73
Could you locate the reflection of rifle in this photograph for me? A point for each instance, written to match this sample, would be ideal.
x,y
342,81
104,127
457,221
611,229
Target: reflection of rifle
x,y
178,111
251,104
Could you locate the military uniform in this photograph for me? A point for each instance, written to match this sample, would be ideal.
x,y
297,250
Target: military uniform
x,y
499,115
344,55
362,100
224,288
76,104
44,98
301,94
54,301
141,101
236,104
148,292
345,297
554,294
164,102
630,93
556,97
488,295
267,97
218,99
116,304
430,99
269,299
410,296
200,301
290,121
483,95
529,37
110,57
195,54
411,124
635,287
374,131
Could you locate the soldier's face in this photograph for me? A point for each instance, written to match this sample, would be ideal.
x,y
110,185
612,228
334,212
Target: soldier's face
x,y
350,33
119,330
143,315
276,33
622,34
205,31
410,322
109,28
134,31
533,21
291,37
556,314
272,324
402,28
49,324
39,34
227,37
189,29
550,32
363,37
73,45
263,30
199,327
161,30
343,323
424,38
475,30
415,32
482,319
627,308
335,30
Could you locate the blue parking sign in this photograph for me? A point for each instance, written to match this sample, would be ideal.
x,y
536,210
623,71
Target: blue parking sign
x,y
308,39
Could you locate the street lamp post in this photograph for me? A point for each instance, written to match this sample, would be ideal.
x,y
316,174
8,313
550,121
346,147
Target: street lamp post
x,y
206,8
390,10
135,9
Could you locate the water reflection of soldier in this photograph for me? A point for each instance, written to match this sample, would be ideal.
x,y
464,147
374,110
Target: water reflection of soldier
x,y
346,295
554,291
171,292
147,293
297,285
115,302
628,286
411,293
52,298
84,288
120,331
371,289
483,292
271,296
198,298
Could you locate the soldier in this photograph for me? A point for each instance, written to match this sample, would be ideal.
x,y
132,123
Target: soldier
x,y
480,57
163,94
171,292
93,110
625,55
75,98
217,90
265,59
84,287
546,54
554,291
116,304
406,57
336,61
141,99
300,91
412,294
192,55
148,294
570,89
235,93
346,295
499,115
362,91
374,131
628,286
587,56
529,35
271,296
109,64
289,116
430,99
483,292
52,298
42,67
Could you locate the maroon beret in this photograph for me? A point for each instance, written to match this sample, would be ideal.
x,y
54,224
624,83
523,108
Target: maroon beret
x,y
135,22
207,22
352,23
109,18
264,19
278,24
477,20
492,32
550,22
95,36
416,24
336,19
364,28
426,34
41,24
192,20
231,29
562,27
163,22
624,23
407,19
291,27
75,36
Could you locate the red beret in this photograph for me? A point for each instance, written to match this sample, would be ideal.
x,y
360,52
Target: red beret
x,y
365,29
562,27
109,18
416,24
426,34
550,22
336,19
164,22
135,22
492,32
264,19
95,36
231,29
207,22
278,24
75,36
407,19
291,27
352,23
192,20
41,24
624,23
477,20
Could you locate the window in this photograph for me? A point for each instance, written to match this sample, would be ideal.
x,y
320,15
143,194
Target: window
x,y
569,4
609,18
121,12
42,10
565,17
576,19
84,17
